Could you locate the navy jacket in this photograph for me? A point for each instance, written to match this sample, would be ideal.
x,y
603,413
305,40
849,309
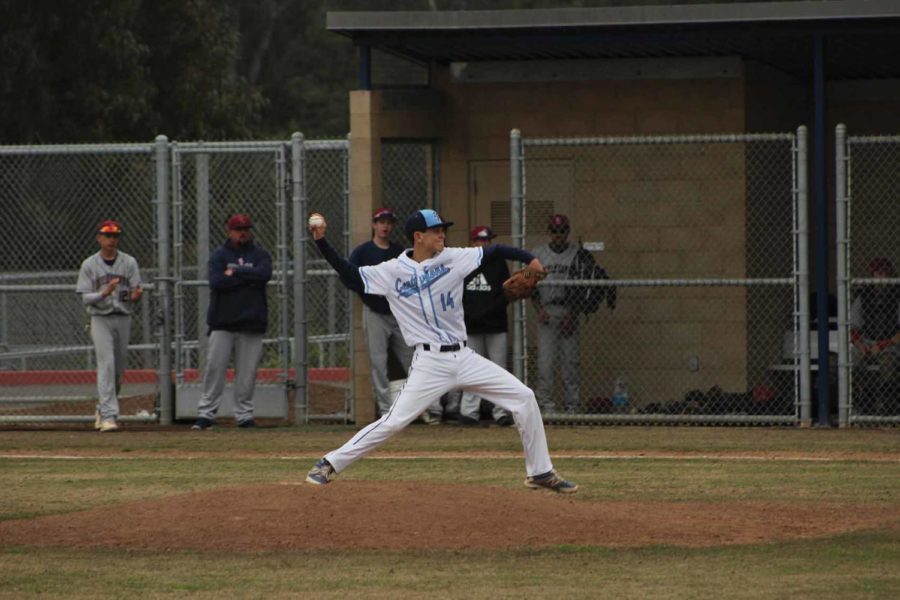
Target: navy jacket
x,y
238,302
366,255
483,301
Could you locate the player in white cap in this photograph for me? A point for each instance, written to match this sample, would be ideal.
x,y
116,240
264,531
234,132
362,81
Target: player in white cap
x,y
424,288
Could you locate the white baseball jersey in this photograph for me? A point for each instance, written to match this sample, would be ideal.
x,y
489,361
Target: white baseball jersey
x,y
426,297
95,274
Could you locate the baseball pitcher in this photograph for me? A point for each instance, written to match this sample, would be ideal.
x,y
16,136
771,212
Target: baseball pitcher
x,y
424,289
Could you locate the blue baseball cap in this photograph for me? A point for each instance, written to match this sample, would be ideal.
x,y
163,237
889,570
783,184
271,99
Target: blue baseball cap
x,y
424,219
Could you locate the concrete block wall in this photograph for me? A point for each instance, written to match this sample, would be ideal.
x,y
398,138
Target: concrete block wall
x,y
661,215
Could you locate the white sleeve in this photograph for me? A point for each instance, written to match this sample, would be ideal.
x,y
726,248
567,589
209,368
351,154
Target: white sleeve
x,y
378,279
85,283
468,259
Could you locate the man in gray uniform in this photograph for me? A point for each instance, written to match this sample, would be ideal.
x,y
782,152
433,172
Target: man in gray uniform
x,y
238,318
109,283
557,322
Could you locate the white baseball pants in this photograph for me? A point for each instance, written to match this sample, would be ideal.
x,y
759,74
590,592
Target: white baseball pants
x,y
382,332
492,346
110,334
434,373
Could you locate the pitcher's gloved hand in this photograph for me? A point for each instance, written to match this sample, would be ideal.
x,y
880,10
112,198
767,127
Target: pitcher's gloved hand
x,y
522,283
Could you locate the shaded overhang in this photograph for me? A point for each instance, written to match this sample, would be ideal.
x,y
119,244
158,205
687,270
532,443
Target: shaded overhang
x,y
862,37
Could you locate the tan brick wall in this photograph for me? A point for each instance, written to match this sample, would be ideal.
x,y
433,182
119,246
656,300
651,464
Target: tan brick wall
x,y
661,220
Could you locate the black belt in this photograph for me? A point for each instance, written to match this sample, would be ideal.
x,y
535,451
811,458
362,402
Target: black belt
x,y
449,348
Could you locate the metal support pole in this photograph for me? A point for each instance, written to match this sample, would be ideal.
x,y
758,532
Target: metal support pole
x,y
843,288
365,68
350,404
517,199
298,205
824,378
803,273
162,279
284,326
203,240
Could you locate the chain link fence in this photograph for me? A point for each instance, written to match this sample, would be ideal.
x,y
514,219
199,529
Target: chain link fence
x,y
53,199
323,302
677,280
409,176
211,182
868,218
56,195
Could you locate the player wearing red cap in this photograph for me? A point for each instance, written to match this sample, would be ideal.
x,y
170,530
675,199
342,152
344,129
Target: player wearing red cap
x,y
238,272
875,335
557,321
109,283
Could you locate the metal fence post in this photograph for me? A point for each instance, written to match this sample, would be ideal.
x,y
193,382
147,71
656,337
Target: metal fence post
x,y
350,406
162,279
842,266
803,273
298,204
202,185
518,236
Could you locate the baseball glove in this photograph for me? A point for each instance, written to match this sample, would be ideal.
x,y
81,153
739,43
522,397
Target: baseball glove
x,y
522,283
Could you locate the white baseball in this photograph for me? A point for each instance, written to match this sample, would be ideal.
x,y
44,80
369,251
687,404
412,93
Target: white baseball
x,y
316,220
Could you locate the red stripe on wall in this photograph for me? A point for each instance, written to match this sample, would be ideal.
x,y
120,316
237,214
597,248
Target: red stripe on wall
x,y
133,376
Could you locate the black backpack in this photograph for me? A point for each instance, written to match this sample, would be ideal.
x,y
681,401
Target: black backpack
x,y
588,298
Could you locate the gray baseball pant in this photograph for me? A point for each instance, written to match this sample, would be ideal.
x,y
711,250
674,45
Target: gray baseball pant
x,y
110,334
383,333
247,352
553,345
492,346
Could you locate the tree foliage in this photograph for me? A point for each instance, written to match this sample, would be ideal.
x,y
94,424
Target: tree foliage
x,y
127,70
114,70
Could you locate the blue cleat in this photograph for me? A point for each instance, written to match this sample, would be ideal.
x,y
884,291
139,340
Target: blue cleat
x,y
551,481
321,473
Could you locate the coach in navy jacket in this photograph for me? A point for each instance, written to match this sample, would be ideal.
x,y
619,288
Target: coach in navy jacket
x,y
238,317
237,302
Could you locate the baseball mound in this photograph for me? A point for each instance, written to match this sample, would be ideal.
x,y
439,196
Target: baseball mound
x,y
352,515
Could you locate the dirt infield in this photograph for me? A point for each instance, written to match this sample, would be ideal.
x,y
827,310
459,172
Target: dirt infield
x,y
350,515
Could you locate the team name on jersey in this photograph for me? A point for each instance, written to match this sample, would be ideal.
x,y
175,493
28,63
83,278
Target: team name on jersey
x,y
414,284
557,268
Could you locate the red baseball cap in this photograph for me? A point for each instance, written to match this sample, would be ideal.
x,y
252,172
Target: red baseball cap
x,y
383,213
481,232
109,227
559,223
239,222
881,264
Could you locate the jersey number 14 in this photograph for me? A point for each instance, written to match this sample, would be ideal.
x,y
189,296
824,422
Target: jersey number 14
x,y
447,301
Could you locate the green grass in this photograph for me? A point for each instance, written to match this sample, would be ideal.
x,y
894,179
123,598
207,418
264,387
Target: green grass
x,y
310,440
859,565
852,466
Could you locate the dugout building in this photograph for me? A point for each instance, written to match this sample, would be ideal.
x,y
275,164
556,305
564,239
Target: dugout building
x,y
448,87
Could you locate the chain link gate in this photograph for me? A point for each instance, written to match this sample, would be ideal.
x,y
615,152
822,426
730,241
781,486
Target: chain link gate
x,y
868,217
53,199
409,176
323,305
704,240
212,181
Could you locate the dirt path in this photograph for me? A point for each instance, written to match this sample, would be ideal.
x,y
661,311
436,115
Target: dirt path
x,y
408,516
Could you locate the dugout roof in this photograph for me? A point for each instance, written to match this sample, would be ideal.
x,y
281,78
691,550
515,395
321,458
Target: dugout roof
x,y
861,37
